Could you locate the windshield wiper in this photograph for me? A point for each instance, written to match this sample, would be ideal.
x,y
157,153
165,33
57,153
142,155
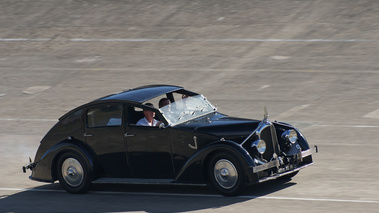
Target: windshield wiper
x,y
181,115
196,109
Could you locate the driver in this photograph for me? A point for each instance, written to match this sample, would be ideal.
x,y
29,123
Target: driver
x,y
148,120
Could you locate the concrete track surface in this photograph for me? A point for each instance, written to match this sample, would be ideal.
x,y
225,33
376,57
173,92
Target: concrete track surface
x,y
313,63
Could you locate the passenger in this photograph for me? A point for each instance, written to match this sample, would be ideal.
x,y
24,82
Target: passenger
x,y
148,120
184,99
163,102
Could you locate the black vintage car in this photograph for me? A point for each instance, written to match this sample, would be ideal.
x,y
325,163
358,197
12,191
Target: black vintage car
x,y
100,142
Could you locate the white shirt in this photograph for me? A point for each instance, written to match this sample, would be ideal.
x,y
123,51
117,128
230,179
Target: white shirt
x,y
144,122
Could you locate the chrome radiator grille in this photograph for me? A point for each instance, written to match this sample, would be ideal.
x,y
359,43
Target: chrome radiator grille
x,y
269,136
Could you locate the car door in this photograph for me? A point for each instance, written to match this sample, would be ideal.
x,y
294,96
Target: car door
x,y
104,133
148,150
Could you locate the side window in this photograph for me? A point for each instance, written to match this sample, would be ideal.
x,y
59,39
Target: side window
x,y
108,115
134,115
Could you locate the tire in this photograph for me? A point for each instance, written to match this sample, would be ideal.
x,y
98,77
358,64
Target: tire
x,y
73,173
226,174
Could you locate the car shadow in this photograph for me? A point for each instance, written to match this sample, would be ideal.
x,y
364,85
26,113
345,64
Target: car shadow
x,y
129,197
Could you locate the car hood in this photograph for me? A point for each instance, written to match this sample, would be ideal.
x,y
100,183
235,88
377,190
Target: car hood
x,y
222,126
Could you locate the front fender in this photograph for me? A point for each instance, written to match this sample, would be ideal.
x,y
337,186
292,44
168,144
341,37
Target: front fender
x,y
45,169
301,138
195,167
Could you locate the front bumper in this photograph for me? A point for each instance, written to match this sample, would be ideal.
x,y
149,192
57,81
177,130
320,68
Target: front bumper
x,y
277,175
284,169
310,151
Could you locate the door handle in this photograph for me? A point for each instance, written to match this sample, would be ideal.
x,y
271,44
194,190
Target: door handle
x,y
88,134
129,135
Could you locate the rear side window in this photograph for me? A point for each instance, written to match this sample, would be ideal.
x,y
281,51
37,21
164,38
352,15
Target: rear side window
x,y
108,115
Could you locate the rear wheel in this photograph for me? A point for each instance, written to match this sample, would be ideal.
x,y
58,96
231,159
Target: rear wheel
x,y
73,173
226,174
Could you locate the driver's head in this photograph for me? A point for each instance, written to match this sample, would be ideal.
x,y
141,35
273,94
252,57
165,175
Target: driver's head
x,y
148,113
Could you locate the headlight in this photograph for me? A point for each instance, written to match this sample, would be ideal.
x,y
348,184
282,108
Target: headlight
x,y
260,146
290,136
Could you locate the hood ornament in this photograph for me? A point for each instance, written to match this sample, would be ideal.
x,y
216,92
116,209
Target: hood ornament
x,y
265,115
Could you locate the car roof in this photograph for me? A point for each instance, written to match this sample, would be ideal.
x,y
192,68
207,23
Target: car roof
x,y
141,94
137,95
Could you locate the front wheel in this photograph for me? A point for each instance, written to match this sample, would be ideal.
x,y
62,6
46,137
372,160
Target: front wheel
x,y
226,174
73,173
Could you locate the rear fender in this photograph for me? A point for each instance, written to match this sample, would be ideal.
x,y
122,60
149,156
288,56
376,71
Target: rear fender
x,y
46,167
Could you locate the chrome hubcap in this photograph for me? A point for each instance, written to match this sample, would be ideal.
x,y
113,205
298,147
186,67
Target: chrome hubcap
x,y
225,174
72,172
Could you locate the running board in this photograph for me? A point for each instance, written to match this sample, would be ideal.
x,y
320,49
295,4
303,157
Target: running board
x,y
144,181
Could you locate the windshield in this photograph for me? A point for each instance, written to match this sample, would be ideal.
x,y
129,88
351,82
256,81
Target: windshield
x,y
187,109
